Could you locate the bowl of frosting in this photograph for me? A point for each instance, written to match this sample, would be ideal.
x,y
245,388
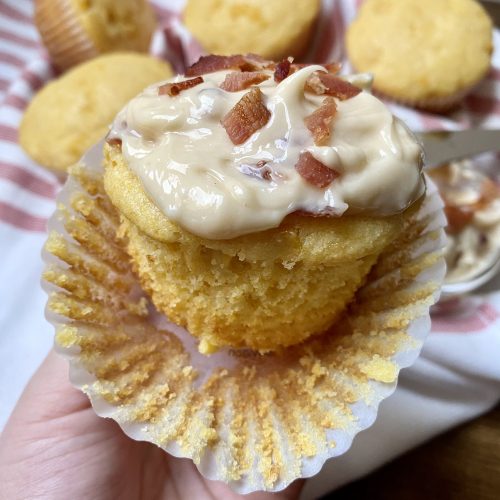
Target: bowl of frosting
x,y
472,207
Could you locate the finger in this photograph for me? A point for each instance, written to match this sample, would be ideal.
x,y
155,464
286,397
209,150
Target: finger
x,y
187,481
48,395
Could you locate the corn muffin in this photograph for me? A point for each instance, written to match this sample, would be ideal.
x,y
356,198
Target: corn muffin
x,y
77,108
256,197
74,31
422,53
269,28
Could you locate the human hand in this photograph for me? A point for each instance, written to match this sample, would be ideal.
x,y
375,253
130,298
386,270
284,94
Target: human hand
x,y
55,447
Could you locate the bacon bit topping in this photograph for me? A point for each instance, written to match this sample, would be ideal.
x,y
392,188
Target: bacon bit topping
x,y
246,117
173,89
326,83
258,60
314,85
282,69
462,215
314,172
211,63
489,192
319,121
458,217
236,81
114,141
248,62
333,67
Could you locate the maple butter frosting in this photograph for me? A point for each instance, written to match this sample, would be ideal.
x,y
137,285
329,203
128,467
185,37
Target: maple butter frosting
x,y
195,174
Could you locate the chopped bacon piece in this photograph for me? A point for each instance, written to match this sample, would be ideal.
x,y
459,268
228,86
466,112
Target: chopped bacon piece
x,y
314,172
173,89
247,62
247,116
258,60
333,67
114,141
242,80
287,67
326,83
314,85
282,70
489,192
319,121
458,217
211,63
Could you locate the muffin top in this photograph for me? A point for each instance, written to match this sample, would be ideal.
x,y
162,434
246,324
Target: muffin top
x,y
270,28
239,143
76,109
421,49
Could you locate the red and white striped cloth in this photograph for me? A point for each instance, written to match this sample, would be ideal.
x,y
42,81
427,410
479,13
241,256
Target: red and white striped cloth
x,y
446,386
26,190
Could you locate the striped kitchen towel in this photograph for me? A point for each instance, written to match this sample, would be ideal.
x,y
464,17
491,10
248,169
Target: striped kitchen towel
x,y
427,392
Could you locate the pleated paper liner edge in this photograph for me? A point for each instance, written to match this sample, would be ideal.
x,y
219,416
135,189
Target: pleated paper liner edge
x,y
257,423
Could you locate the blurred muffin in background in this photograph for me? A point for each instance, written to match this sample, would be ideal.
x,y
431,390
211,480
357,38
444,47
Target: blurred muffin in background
x,y
423,53
73,112
77,30
273,29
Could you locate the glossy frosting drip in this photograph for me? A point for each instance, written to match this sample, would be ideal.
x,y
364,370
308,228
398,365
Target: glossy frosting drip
x,y
198,178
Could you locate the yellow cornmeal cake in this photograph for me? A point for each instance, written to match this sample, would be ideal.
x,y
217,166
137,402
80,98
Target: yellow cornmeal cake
x,y
72,113
261,291
77,30
424,53
271,28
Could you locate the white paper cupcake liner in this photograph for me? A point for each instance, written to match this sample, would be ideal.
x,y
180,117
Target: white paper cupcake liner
x,y
255,422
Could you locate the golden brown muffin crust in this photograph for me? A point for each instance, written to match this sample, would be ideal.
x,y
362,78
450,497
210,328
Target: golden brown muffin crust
x,y
421,51
77,108
271,28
